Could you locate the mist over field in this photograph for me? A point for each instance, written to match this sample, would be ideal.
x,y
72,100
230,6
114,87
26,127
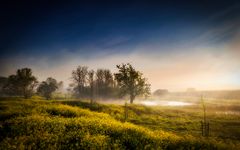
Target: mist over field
x,y
132,74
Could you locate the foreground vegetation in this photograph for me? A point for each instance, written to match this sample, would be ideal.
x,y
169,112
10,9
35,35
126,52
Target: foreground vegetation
x,y
41,124
223,115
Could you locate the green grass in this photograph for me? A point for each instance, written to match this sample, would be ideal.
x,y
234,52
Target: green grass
x,y
41,124
179,120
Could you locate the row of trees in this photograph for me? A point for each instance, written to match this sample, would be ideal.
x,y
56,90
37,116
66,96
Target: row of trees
x,y
85,83
25,84
93,84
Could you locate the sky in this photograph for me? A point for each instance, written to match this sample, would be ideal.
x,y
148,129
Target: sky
x,y
175,44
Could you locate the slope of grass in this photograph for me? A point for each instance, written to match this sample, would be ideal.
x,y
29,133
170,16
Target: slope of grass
x,y
39,124
180,120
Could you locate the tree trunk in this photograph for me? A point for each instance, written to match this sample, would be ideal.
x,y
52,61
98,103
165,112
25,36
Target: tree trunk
x,y
25,93
91,93
132,97
25,96
79,91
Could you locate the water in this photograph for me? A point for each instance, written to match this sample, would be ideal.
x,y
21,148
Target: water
x,y
165,103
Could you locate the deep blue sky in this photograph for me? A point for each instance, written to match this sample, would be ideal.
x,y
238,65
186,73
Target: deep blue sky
x,y
45,27
173,36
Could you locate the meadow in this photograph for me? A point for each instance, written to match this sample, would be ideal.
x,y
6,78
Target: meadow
x,y
76,124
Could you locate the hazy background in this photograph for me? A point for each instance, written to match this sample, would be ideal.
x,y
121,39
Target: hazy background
x,y
176,45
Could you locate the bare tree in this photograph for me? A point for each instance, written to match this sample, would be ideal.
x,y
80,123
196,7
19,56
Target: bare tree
x,y
108,83
91,84
79,77
105,82
99,82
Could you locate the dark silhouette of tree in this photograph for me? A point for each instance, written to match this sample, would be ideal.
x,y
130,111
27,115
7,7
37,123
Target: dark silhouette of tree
x,y
23,83
3,82
46,88
104,83
160,92
91,84
79,77
131,81
60,87
108,82
100,82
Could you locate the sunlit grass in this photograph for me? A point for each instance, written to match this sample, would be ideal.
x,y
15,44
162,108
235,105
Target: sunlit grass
x,y
40,124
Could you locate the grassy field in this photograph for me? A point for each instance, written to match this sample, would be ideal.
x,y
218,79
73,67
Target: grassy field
x,y
72,124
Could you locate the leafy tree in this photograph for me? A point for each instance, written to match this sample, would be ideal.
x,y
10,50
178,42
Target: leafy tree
x,y
23,83
46,88
79,77
131,81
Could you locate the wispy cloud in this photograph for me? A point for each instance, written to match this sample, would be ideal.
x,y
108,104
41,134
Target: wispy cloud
x,y
210,60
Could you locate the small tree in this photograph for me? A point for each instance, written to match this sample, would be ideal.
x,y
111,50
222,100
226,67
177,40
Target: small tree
x,y
46,88
204,123
131,82
23,83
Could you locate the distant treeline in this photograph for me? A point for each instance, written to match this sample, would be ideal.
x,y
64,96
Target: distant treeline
x,y
93,84
221,94
86,83
215,94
